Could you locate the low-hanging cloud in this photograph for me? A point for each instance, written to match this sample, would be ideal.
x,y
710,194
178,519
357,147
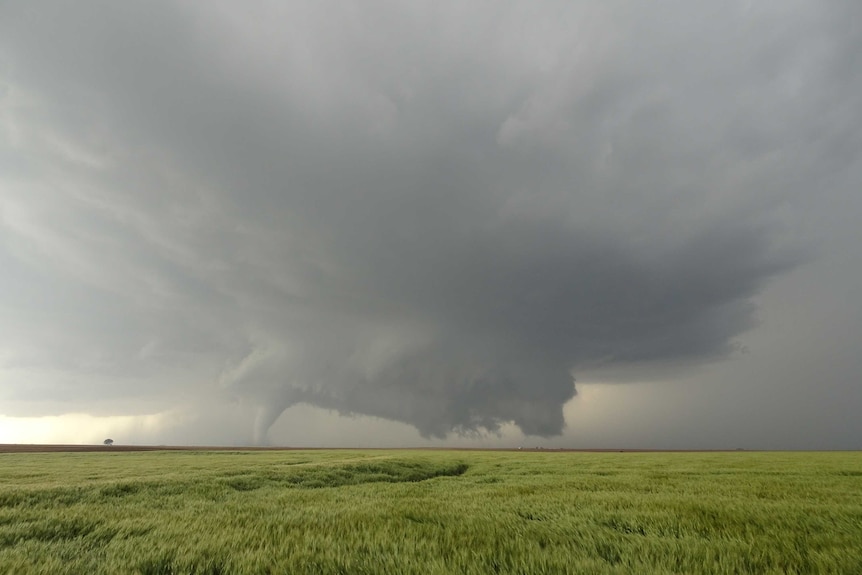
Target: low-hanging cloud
x,y
430,216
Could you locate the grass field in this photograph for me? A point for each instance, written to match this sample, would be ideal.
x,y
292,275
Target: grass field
x,y
430,512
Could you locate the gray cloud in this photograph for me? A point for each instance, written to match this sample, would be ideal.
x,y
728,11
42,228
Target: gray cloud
x,y
434,215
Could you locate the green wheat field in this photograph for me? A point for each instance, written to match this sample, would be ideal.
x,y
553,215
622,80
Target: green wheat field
x,y
430,512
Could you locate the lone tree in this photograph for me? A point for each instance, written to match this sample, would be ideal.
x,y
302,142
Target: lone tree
x,y
109,442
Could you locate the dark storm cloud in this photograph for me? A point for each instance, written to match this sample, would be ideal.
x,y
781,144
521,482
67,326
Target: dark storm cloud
x,y
426,215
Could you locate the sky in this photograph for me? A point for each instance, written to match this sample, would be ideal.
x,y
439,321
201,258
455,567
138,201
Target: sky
x,y
593,224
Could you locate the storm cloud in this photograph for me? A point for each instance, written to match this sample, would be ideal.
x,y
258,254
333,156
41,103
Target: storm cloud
x,y
436,214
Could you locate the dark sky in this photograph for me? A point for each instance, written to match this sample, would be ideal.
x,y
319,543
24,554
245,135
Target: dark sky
x,y
469,223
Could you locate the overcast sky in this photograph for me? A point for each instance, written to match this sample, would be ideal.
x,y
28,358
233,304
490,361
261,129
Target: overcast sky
x,y
568,224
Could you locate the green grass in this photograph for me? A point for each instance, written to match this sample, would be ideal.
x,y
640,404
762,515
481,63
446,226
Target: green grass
x,y
430,512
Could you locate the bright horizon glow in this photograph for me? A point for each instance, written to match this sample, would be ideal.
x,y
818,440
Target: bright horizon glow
x,y
73,428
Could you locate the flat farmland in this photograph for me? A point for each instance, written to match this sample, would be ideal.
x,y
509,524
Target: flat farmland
x,y
429,512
